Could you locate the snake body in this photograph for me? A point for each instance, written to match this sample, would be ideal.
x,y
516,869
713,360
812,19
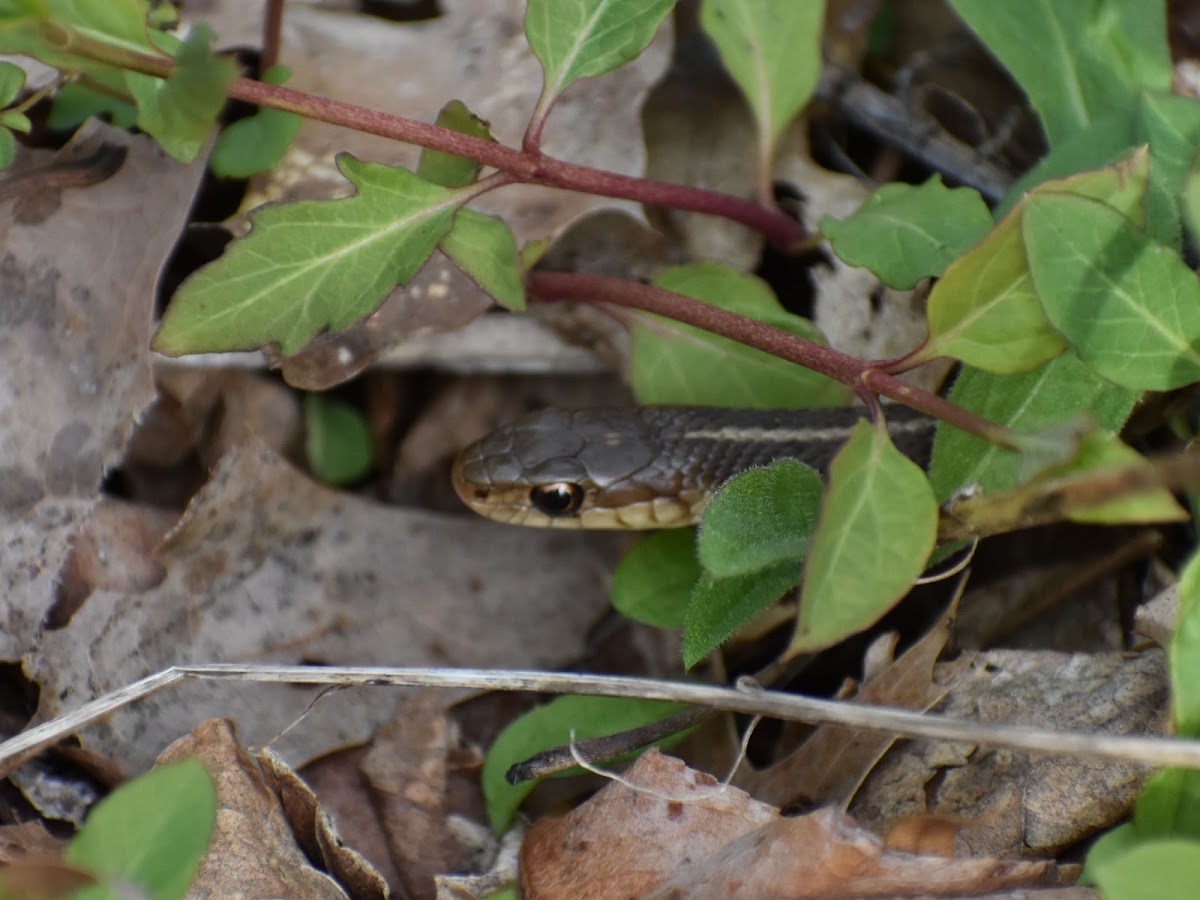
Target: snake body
x,y
647,467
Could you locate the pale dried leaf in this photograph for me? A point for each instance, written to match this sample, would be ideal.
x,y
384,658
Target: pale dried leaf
x,y
76,328
265,564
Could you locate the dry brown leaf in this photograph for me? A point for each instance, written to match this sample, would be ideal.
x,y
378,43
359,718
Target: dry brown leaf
x,y
76,328
828,767
824,854
266,565
624,843
253,851
1013,802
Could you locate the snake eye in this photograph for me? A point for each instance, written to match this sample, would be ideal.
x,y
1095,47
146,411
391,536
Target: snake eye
x,y
559,499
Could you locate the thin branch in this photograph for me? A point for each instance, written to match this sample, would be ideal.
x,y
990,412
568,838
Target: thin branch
x,y
858,374
750,700
272,26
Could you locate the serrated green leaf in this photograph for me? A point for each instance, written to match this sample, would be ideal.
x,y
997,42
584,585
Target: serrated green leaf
x,y
986,311
75,103
760,518
1155,870
484,248
257,143
904,233
653,582
549,726
773,52
151,832
8,148
1171,126
445,168
1076,61
337,440
311,266
181,111
12,79
1129,306
582,38
877,528
675,363
1184,655
1057,392
721,607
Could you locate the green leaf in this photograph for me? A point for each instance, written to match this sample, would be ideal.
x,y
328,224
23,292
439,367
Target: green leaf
x,y
653,582
74,104
1169,806
257,143
1171,126
12,79
676,363
773,52
1129,306
1185,654
904,233
986,311
1076,61
151,832
721,607
1191,199
8,148
1101,450
15,121
582,38
1057,392
760,518
311,266
181,111
445,168
550,726
1108,847
484,248
337,440
877,528
1155,870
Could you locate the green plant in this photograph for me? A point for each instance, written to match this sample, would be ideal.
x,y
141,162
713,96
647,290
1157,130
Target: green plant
x,y
1074,299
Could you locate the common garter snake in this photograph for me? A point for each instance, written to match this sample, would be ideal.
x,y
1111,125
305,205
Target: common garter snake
x,y
647,467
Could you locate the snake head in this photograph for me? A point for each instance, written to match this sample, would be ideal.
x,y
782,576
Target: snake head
x,y
570,469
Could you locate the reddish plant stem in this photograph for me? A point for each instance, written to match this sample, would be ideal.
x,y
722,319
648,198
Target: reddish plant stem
x,y
776,227
861,376
272,25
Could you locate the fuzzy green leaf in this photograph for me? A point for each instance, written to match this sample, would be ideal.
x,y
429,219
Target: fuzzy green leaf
x,y
985,309
1171,126
445,168
904,233
877,528
151,832
1076,61
311,266
12,79
552,725
653,582
1057,392
1130,306
484,248
676,363
1155,870
582,38
760,518
257,143
181,111
721,607
337,440
773,52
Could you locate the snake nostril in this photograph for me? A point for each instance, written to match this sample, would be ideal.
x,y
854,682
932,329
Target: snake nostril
x,y
481,493
559,499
